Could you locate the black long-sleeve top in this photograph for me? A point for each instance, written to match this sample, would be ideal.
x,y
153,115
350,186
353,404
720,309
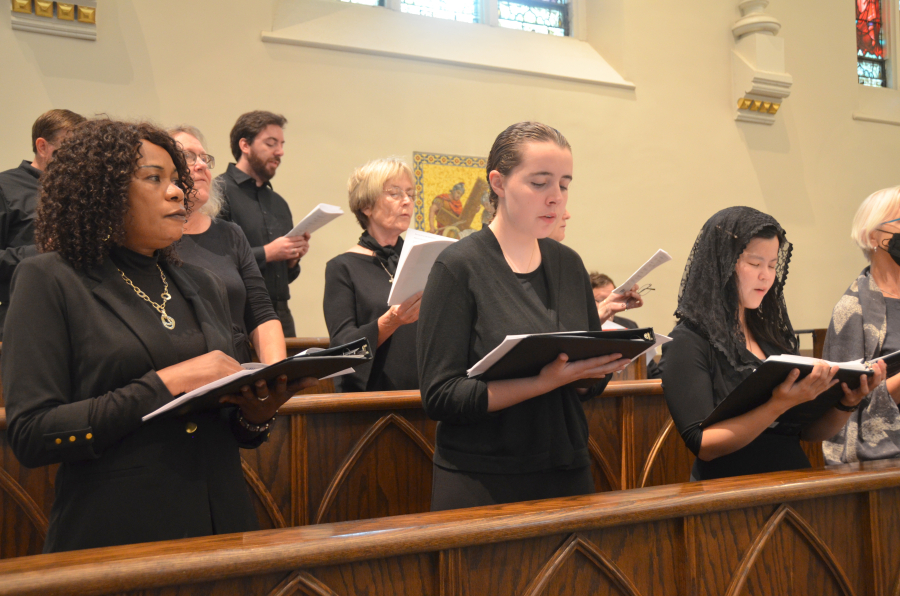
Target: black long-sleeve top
x,y
697,377
473,300
224,250
264,215
356,294
18,201
79,369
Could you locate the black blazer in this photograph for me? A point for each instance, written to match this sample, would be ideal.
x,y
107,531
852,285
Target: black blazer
x,y
78,368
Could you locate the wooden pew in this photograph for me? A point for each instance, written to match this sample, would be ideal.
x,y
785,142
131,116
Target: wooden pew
x,y
343,457
824,532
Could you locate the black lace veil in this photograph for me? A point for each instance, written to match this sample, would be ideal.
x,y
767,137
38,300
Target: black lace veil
x,y
708,297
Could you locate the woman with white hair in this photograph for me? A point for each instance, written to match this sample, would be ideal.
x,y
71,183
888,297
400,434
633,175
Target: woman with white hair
x,y
866,324
222,247
357,283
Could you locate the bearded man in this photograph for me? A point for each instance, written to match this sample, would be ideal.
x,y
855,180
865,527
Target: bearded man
x,y
257,143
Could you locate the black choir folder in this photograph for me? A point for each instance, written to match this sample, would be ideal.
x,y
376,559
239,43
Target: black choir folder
x,y
314,362
757,388
521,356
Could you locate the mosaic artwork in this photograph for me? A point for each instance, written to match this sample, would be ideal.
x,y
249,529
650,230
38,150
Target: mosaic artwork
x,y
451,194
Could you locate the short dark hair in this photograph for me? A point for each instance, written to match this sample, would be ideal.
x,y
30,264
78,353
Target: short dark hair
x,y
506,153
601,280
251,124
84,191
50,125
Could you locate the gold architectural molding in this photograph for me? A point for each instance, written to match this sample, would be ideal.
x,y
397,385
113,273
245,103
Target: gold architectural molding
x,y
65,19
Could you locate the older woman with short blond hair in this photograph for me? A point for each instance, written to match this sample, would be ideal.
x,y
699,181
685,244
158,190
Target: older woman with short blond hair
x,y
866,324
357,283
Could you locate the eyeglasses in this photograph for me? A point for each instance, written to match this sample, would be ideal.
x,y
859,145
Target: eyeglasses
x,y
396,193
191,158
644,290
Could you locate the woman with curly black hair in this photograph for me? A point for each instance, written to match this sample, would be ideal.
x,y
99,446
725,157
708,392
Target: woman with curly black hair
x,y
732,316
107,326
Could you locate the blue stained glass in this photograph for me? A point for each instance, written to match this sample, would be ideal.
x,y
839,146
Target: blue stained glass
x,y
366,2
455,10
541,16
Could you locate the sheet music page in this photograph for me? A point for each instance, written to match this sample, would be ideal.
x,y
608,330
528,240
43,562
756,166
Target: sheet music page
x,y
318,217
420,251
655,261
249,369
795,359
650,352
508,343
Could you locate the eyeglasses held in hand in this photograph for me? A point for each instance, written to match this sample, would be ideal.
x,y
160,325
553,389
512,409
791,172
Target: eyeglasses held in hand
x,y
191,158
644,290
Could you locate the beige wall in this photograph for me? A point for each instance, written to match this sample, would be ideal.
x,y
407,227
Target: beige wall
x,y
650,165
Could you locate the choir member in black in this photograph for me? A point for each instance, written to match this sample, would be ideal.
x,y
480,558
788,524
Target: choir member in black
x,y
522,439
257,144
357,283
18,196
222,247
105,327
732,316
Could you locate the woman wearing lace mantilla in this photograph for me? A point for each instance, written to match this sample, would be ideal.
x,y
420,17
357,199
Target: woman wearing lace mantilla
x,y
732,316
866,324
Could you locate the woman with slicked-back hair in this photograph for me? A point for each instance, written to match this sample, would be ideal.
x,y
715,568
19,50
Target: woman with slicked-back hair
x,y
522,439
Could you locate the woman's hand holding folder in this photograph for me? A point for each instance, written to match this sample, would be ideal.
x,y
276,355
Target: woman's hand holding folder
x,y
506,393
260,402
828,425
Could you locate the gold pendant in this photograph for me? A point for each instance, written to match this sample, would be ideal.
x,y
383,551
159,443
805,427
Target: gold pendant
x,y
168,322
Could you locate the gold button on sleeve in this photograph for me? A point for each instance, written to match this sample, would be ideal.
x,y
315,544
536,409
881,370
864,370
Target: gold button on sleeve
x,y
89,436
72,439
58,441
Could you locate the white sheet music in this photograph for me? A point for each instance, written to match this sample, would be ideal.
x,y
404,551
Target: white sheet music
x,y
318,217
655,261
420,251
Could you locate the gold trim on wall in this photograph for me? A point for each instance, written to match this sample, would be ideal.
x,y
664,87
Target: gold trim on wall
x,y
43,8
21,6
87,15
65,12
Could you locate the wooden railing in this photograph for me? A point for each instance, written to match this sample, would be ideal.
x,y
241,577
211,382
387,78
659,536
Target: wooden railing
x,y
824,532
341,457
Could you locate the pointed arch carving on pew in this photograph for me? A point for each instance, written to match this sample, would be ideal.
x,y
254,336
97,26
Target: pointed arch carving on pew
x,y
603,464
21,497
578,545
654,452
359,449
784,516
301,583
262,493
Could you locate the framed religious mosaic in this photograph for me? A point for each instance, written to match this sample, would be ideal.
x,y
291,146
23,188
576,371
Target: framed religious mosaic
x,y
451,194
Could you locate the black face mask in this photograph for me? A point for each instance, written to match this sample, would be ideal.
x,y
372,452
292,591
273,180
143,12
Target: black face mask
x,y
893,247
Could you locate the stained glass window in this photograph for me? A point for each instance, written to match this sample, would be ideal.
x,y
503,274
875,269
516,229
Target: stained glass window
x,y
455,10
550,17
870,56
366,2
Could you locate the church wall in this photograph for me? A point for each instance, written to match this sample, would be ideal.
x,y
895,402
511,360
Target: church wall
x,y
651,165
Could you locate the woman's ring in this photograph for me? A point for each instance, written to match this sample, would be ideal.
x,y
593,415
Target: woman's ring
x,y
263,398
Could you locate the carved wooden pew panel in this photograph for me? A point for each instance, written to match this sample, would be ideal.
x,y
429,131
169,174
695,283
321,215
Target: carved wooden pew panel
x,y
342,457
832,532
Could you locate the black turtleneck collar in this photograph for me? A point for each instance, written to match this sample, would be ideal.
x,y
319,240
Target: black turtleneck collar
x,y
133,260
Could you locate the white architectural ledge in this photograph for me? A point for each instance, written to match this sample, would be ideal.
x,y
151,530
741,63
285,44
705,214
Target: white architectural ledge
x,y
378,31
877,104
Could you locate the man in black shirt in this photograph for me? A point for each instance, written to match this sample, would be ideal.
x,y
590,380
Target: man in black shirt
x,y
18,196
257,143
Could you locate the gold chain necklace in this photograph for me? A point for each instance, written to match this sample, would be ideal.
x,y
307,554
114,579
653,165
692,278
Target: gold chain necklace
x,y
527,267
167,321
386,271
